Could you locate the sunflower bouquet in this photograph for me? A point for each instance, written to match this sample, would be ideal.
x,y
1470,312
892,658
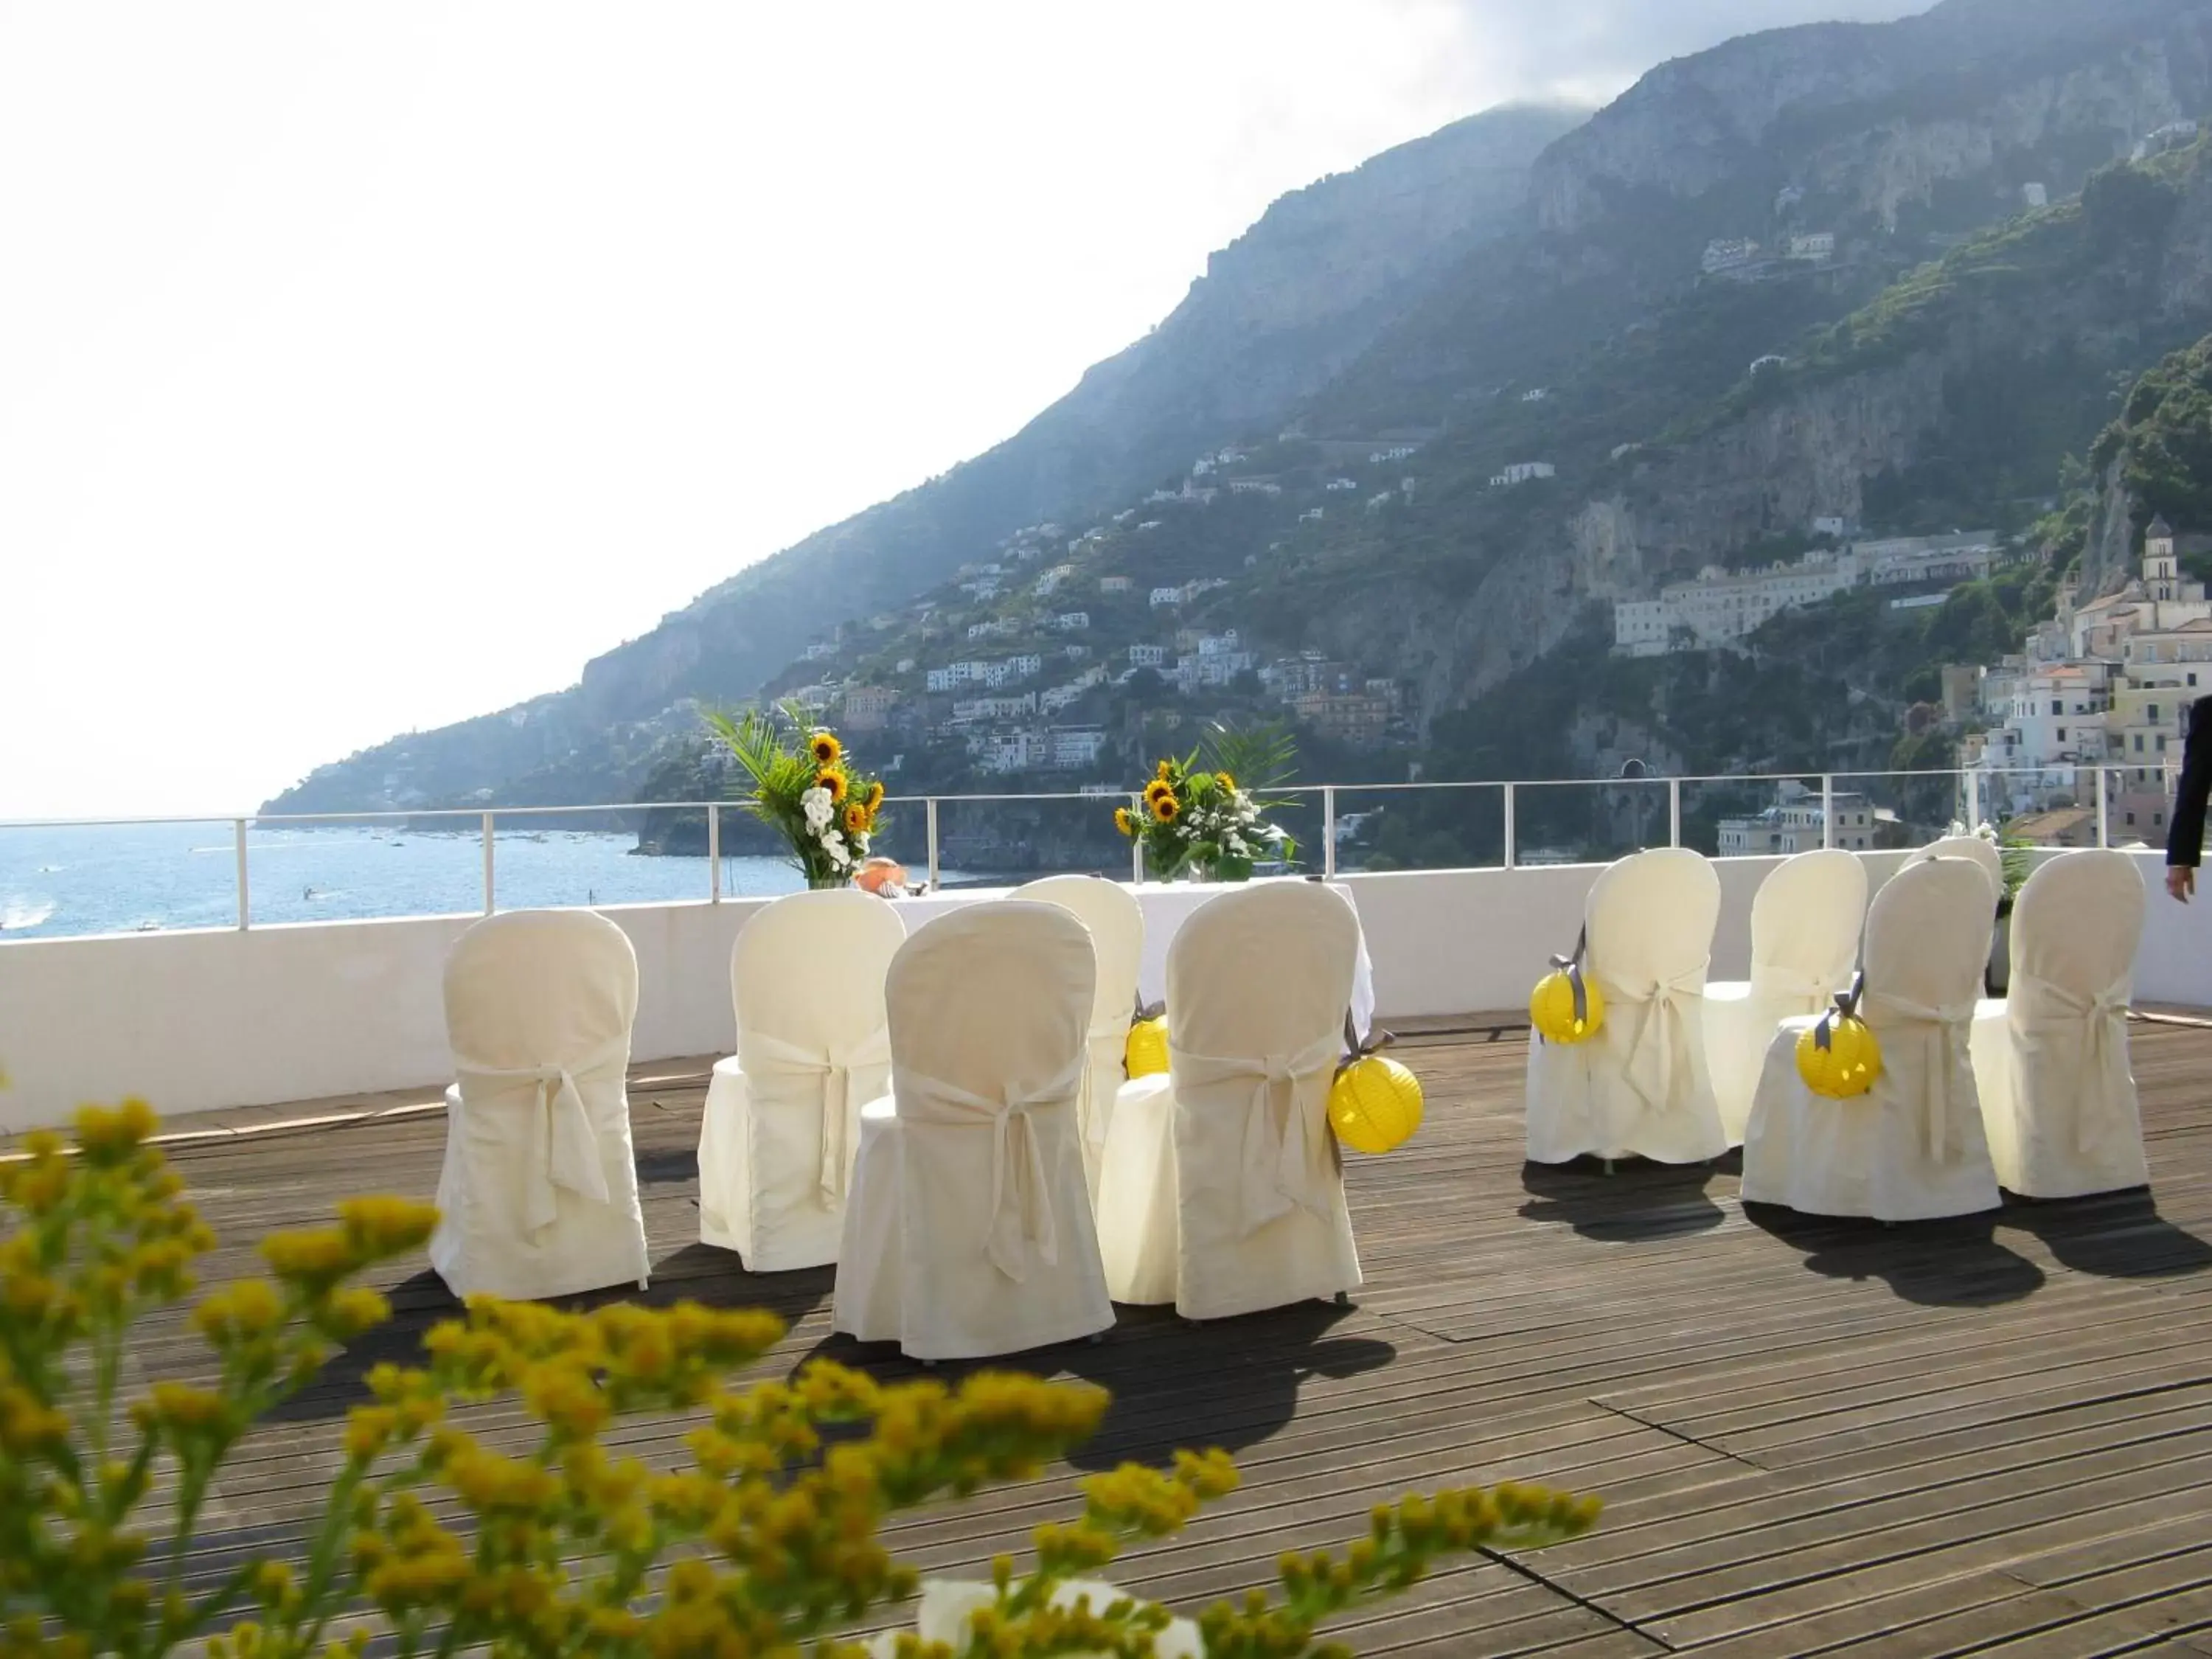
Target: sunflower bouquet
x,y
1202,822
806,787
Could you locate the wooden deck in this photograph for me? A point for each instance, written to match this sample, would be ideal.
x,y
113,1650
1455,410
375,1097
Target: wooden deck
x,y
1992,1435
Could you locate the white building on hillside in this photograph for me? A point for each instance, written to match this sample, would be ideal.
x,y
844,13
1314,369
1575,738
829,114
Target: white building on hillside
x,y
1520,473
1720,605
1796,823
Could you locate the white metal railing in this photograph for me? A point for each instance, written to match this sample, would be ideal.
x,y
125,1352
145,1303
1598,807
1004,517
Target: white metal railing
x,y
2063,779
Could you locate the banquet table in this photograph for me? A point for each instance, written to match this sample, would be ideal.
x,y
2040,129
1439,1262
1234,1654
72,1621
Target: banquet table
x,y
1167,905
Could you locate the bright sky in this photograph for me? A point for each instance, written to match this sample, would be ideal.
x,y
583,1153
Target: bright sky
x,y
366,368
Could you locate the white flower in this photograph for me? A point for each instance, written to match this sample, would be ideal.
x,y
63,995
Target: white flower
x,y
947,1605
834,845
814,803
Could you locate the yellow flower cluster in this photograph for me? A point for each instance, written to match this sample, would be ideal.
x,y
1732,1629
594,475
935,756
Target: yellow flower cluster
x,y
766,1540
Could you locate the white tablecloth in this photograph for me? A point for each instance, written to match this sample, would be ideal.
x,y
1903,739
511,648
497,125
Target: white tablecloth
x,y
1167,905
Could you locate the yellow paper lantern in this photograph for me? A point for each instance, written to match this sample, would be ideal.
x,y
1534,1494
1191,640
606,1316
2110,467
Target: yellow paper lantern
x,y
1145,1054
1839,1058
1565,1007
1375,1105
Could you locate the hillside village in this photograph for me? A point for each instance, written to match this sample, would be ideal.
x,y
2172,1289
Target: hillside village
x,y
1014,665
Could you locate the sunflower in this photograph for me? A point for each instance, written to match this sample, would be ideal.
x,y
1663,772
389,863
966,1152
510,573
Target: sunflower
x,y
833,780
1157,790
856,819
1162,775
1227,784
1125,820
825,748
874,797
1166,808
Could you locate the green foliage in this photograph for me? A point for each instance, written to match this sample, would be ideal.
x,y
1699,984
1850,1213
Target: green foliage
x,y
2166,434
2126,204
543,1539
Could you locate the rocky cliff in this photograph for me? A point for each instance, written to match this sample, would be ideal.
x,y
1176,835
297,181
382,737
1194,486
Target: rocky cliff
x,y
1976,96
1961,388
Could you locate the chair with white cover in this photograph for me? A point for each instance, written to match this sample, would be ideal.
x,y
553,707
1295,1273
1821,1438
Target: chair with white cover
x,y
782,1123
1638,1086
1116,924
1805,924
1222,1189
1980,848
2051,1057
1911,1147
538,1195
967,1228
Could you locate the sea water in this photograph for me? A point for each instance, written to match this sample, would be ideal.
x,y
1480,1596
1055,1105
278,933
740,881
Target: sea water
x,y
107,878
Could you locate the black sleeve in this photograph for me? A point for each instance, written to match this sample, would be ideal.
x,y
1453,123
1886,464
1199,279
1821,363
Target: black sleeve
x,y
2184,841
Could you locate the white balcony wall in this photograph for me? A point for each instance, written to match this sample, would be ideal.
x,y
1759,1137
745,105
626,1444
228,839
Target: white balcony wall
x,y
192,1021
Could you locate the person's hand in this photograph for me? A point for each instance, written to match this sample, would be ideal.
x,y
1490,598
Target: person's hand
x,y
2181,880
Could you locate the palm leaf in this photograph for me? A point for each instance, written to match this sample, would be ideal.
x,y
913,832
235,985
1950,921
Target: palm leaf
x,y
1259,757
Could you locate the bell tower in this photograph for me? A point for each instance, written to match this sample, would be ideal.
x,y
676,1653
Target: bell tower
x,y
2162,572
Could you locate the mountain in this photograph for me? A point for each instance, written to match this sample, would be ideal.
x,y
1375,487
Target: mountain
x,y
1277,314
1802,275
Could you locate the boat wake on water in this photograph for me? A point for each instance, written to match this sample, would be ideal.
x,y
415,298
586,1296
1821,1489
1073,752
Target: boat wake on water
x,y
24,913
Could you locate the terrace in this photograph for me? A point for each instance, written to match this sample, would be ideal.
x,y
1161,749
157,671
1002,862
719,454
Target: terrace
x,y
1986,1436
1990,1436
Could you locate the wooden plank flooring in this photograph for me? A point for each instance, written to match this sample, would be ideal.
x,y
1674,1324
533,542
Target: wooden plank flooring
x,y
1983,1436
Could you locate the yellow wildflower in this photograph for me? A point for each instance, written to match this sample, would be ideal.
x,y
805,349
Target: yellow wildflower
x,y
241,1312
182,1409
321,1254
383,1227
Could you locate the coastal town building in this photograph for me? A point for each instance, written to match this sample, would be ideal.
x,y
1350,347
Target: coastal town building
x,y
1522,472
1798,822
2105,683
1720,605
868,707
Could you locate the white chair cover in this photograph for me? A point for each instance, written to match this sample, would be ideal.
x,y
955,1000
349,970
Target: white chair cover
x,y
781,1126
538,1195
967,1229
1805,924
1639,1086
1116,923
2050,1058
1239,1204
1982,851
1913,1146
